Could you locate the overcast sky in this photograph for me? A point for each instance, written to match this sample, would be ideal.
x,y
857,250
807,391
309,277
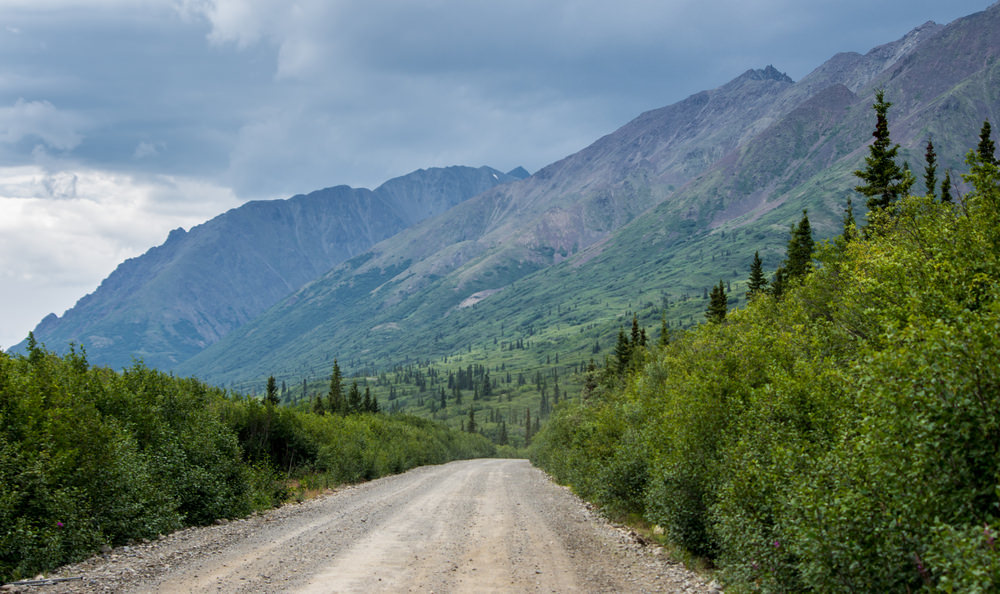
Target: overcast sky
x,y
123,119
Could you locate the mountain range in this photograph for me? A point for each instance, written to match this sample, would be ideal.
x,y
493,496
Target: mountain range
x,y
640,223
179,297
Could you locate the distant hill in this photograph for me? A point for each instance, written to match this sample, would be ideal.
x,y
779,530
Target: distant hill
x,y
186,294
642,221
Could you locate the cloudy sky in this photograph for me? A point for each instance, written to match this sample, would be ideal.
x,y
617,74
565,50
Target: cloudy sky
x,y
123,119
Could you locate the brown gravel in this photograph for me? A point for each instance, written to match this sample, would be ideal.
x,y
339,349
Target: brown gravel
x,y
471,526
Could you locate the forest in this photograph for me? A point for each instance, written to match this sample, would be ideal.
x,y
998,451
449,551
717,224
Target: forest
x,y
840,433
91,457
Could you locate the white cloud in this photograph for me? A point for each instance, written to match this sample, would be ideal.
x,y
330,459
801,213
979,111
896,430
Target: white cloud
x,y
146,149
63,232
40,119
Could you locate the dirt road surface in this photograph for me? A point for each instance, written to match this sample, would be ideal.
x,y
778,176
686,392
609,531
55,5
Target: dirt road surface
x,y
471,526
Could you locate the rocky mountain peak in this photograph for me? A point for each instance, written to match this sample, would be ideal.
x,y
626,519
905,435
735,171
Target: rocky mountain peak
x,y
769,72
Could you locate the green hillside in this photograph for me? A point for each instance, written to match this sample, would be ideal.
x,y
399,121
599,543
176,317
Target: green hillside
x,y
844,437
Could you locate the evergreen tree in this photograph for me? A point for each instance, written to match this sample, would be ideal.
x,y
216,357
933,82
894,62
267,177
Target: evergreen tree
x,y
375,408
366,402
779,282
717,307
883,179
623,352
317,405
636,339
850,232
664,330
527,427
502,439
590,383
471,427
930,170
986,148
798,260
272,391
757,283
946,187
335,396
354,398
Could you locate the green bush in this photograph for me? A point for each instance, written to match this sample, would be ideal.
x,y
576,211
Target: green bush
x,y
845,438
90,457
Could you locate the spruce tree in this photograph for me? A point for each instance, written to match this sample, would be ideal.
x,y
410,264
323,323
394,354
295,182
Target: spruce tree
x,y
623,352
930,170
986,148
946,187
884,181
335,396
272,391
636,339
471,427
717,306
527,427
366,402
664,330
798,260
354,398
779,283
850,232
757,283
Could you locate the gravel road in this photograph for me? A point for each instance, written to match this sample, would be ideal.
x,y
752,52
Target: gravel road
x,y
470,526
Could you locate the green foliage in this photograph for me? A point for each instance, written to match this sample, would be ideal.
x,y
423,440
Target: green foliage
x,y
845,438
90,457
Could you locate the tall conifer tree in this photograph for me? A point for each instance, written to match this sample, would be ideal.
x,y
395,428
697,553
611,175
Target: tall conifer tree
x,y
930,170
717,305
850,232
798,261
335,396
272,391
884,180
757,283
946,187
986,148
354,398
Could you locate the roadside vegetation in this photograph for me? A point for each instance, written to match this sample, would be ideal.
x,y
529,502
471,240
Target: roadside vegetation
x,y
840,433
90,457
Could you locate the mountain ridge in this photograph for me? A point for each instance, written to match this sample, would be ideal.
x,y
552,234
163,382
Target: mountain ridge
x,y
722,171
198,285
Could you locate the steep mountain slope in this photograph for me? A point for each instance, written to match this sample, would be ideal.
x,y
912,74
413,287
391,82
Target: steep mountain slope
x,y
199,285
649,215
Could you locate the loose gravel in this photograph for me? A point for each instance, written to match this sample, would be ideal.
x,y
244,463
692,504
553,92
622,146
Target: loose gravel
x,y
471,526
